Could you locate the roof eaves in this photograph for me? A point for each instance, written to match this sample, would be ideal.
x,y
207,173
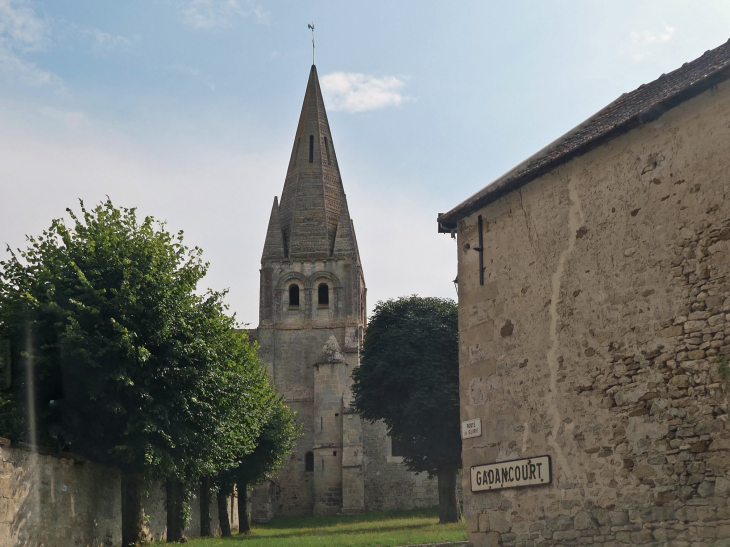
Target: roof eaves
x,y
523,173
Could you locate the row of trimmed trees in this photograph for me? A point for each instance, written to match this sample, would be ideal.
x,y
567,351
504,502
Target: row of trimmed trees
x,y
120,358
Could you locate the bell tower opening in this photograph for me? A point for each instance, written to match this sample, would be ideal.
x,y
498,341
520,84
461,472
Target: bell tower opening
x,y
323,294
294,295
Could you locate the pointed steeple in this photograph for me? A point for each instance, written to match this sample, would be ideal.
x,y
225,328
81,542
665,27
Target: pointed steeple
x,y
313,198
274,244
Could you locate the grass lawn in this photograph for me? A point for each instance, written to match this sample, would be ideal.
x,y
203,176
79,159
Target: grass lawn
x,y
379,528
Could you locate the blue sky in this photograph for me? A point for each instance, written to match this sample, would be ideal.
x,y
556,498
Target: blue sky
x,y
187,110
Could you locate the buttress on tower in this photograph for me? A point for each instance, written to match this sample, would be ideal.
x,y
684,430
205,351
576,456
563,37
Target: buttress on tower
x,y
312,315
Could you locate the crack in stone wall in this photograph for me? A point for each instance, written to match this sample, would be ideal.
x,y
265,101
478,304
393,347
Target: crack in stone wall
x,y
575,220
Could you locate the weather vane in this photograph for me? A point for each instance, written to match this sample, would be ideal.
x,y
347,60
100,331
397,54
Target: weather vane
x,y
311,26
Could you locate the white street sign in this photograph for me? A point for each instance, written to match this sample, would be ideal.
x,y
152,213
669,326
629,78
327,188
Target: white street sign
x,y
513,474
471,428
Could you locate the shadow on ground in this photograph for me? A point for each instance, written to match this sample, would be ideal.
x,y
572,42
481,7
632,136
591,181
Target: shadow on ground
x,y
338,531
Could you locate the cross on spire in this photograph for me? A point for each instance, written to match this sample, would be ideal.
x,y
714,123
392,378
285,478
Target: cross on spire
x,y
311,26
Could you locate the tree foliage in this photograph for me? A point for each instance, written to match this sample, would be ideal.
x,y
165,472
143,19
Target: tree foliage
x,y
409,378
276,441
132,367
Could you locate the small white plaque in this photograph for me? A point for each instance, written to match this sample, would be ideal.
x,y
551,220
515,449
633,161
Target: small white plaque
x,y
471,428
513,474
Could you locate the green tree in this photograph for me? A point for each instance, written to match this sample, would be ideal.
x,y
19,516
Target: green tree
x,y
409,378
276,441
130,365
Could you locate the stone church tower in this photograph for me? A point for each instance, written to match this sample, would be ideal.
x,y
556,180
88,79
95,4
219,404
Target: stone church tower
x,y
311,319
312,315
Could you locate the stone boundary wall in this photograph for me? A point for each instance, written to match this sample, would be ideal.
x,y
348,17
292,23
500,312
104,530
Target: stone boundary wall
x,y
68,501
59,501
388,484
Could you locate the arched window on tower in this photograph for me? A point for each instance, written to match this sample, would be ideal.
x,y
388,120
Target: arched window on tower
x,y
323,294
309,462
311,148
293,294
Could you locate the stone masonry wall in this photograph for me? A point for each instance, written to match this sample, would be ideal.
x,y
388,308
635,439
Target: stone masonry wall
x,y
599,337
388,484
67,501
58,501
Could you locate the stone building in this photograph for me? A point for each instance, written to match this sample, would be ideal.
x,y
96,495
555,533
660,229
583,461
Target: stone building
x,y
594,317
311,319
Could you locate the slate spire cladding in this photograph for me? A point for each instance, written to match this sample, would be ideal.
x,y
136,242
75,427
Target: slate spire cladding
x,y
313,219
274,244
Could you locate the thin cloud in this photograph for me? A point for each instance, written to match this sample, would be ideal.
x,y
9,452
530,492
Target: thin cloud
x,y
104,40
644,43
19,26
212,14
22,32
262,16
195,74
100,41
352,92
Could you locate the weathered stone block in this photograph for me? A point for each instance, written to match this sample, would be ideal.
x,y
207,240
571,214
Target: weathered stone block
x,y
630,395
618,518
566,535
643,536
487,539
694,326
583,521
664,534
498,522
706,513
658,514
686,514
722,487
560,523
681,381
706,489
483,520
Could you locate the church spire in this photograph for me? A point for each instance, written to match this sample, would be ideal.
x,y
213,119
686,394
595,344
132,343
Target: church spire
x,y
313,199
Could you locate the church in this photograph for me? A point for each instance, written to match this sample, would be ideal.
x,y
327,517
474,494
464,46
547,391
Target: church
x,y
312,316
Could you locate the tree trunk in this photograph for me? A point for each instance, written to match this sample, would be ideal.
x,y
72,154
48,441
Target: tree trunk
x,y
175,518
205,507
448,499
244,518
223,514
132,516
